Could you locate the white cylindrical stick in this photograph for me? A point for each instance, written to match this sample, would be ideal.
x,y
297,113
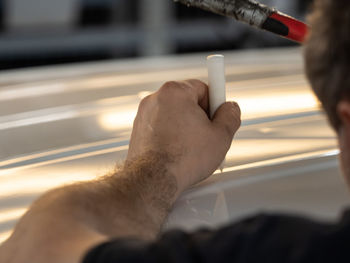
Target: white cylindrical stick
x,y
216,76
217,85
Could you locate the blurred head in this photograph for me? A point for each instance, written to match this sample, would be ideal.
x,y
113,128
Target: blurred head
x,y
327,56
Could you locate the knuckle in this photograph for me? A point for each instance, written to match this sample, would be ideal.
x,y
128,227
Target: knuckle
x,y
195,82
145,101
169,86
169,91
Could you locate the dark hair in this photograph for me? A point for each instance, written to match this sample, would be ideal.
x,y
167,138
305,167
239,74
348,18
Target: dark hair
x,y
327,54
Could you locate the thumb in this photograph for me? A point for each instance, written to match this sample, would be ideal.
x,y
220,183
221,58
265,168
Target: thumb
x,y
227,119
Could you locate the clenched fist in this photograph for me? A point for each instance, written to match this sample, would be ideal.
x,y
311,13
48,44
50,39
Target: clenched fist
x,y
174,122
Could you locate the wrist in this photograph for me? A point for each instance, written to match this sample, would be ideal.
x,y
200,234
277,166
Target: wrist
x,y
149,179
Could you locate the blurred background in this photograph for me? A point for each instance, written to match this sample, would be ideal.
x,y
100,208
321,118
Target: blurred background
x,y
43,32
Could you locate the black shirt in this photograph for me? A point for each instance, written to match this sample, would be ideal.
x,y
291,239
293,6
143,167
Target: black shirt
x,y
264,238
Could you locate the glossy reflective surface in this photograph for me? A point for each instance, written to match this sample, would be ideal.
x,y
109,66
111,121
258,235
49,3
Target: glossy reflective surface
x,y
64,124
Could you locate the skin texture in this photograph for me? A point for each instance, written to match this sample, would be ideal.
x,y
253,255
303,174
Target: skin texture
x,y
343,112
173,146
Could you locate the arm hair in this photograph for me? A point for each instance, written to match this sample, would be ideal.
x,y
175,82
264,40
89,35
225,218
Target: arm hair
x,y
65,222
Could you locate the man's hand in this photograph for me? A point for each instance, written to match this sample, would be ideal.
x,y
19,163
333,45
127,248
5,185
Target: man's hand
x,y
173,145
174,121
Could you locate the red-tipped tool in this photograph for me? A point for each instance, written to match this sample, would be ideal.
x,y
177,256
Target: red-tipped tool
x,y
255,14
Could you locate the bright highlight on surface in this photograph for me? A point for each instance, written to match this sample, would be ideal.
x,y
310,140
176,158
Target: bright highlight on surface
x,y
266,105
118,120
11,214
4,236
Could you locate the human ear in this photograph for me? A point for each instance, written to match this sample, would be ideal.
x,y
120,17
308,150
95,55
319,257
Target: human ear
x,y
343,112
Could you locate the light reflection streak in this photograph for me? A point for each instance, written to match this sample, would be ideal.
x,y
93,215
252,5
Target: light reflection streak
x,y
117,144
269,84
273,104
32,120
124,108
265,149
11,214
118,120
42,181
67,112
29,91
55,86
281,160
4,236
263,105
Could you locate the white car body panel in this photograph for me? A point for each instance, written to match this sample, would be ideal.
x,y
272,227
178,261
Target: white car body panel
x,y
69,123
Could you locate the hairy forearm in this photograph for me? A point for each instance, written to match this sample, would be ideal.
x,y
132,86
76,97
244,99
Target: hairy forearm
x,y
133,201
